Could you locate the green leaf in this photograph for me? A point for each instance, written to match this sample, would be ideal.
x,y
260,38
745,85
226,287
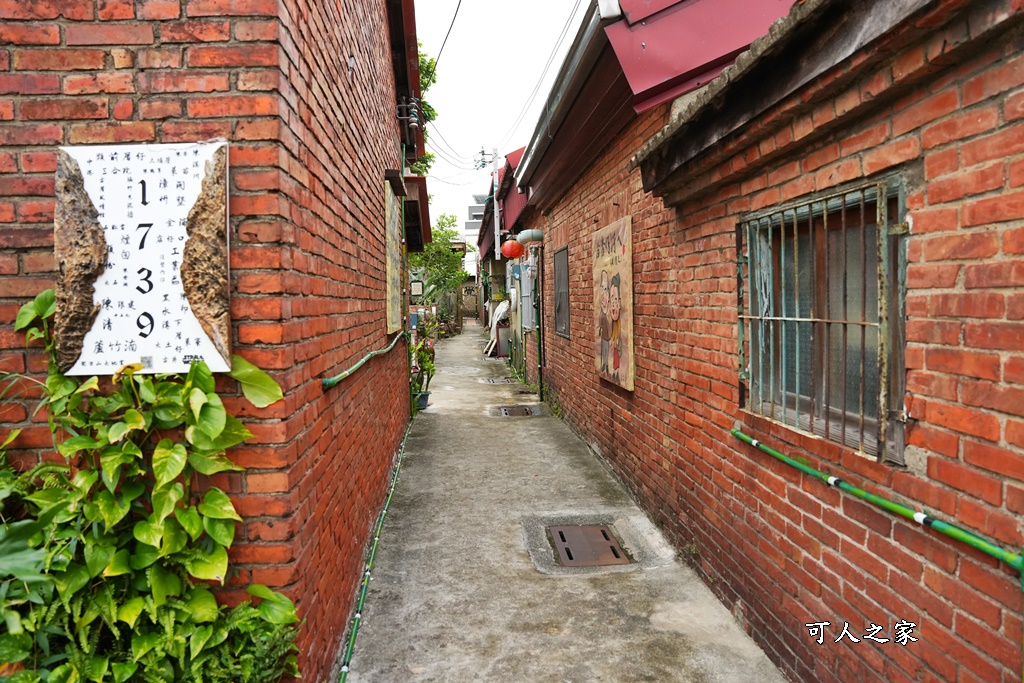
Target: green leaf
x,y
144,556
163,584
143,643
198,640
15,647
71,581
129,611
75,444
199,375
202,604
196,401
122,672
212,464
234,433
97,557
216,504
220,530
10,437
85,480
146,390
26,314
12,620
117,431
257,385
17,556
111,459
174,538
212,417
275,608
58,386
90,384
168,461
111,509
148,532
118,564
98,668
45,303
212,567
134,419
164,500
65,673
190,521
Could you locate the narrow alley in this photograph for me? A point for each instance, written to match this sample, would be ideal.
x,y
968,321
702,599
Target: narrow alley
x,y
465,586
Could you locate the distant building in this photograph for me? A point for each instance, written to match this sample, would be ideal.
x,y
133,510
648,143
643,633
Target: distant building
x,y
470,231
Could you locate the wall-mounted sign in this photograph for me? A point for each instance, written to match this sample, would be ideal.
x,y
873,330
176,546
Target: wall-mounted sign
x,y
140,236
613,303
393,237
416,288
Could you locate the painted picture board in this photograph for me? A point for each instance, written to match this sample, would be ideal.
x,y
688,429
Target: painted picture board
x,y
613,303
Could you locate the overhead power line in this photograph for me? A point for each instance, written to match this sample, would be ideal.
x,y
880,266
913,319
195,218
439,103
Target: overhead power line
x,y
536,88
450,147
443,42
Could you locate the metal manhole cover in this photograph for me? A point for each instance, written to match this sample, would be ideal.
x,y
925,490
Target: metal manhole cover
x,y
587,546
516,411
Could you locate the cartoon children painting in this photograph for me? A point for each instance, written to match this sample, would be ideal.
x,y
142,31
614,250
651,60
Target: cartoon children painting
x,y
604,322
615,308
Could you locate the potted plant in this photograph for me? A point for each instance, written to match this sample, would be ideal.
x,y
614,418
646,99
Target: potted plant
x,y
422,371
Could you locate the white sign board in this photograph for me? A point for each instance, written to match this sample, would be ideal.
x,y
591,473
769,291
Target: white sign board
x,y
143,195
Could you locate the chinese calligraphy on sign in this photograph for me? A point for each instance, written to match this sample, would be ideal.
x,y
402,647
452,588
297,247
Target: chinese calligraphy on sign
x,y
613,303
902,632
140,235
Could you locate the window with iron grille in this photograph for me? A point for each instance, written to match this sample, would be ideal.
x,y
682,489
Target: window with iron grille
x,y
562,292
821,292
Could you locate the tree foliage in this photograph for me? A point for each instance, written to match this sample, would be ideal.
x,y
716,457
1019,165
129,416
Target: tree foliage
x,y
438,265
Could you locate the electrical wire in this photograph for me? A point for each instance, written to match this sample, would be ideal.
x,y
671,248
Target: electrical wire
x,y
536,88
460,165
450,147
443,42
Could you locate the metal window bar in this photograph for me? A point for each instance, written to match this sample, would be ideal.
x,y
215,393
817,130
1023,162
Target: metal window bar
x,y
781,300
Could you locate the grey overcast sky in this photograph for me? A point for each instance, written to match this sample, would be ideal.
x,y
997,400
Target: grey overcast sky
x,y
494,59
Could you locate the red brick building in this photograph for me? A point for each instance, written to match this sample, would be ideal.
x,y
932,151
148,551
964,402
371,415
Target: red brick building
x,y
894,364
306,93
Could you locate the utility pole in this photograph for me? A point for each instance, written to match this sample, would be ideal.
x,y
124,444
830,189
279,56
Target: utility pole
x,y
497,211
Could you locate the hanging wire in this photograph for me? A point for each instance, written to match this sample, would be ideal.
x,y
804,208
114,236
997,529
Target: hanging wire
x,y
460,165
450,147
536,88
443,42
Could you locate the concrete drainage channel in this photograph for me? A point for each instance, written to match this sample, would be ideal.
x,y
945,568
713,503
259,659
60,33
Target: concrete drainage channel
x,y
570,544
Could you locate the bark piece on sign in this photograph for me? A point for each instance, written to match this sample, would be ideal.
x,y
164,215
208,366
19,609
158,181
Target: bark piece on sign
x,y
80,248
204,267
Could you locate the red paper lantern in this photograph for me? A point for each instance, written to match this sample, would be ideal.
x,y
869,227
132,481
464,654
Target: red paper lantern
x,y
512,249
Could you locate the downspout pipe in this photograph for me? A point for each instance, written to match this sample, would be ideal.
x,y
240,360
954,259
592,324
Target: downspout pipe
x,y
333,381
922,518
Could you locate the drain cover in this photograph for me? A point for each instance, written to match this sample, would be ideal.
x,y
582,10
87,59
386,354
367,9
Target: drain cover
x,y
587,546
498,380
515,411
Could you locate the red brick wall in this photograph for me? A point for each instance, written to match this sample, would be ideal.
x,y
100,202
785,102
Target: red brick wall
x,y
310,141
779,548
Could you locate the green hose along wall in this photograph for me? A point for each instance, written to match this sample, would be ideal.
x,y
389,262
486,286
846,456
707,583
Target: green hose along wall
x,y
963,535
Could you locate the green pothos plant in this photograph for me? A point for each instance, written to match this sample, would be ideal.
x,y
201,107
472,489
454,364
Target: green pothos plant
x,y
108,555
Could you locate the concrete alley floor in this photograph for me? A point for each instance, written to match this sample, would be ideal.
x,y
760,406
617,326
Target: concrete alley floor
x,y
465,585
